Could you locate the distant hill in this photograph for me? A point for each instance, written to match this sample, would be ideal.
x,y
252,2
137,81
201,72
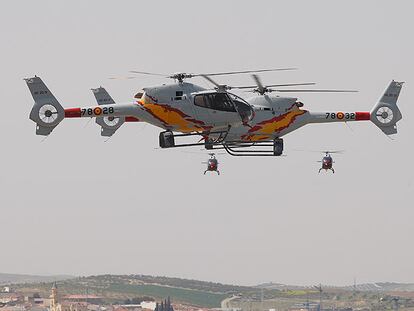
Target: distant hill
x,y
6,278
383,286
368,287
118,288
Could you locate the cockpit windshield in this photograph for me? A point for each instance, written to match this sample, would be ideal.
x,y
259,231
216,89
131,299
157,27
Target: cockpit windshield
x,y
216,101
244,109
225,102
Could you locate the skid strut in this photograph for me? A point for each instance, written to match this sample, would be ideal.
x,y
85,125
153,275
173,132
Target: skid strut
x,y
167,139
234,148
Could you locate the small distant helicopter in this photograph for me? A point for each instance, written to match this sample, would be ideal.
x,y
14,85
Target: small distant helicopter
x,y
212,164
327,161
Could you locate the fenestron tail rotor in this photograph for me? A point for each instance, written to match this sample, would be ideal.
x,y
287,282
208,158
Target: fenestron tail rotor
x,y
48,113
384,115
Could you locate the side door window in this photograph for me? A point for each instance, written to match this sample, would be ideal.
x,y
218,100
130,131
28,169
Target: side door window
x,y
202,108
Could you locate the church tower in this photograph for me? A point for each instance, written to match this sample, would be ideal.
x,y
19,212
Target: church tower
x,y
54,298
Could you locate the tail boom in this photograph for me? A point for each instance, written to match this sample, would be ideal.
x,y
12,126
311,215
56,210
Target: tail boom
x,y
117,110
327,117
47,112
384,115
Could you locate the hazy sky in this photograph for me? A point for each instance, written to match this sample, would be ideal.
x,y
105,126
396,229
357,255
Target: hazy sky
x,y
74,204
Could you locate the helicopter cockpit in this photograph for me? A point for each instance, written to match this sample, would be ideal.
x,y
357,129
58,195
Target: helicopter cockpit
x,y
226,102
327,160
216,101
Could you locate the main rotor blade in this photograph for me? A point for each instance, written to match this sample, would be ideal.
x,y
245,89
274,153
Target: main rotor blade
x,y
149,73
243,71
258,83
291,84
122,78
274,85
320,151
210,80
316,91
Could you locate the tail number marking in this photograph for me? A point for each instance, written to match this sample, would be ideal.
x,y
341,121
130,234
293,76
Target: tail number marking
x,y
97,111
340,115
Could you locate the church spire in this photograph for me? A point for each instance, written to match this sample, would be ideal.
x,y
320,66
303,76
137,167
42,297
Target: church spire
x,y
54,296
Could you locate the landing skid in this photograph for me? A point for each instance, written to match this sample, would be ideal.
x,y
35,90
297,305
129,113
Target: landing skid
x,y
258,149
218,172
234,148
333,171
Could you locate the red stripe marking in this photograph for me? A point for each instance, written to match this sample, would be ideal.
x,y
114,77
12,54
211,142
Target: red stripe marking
x,y
360,116
73,113
131,119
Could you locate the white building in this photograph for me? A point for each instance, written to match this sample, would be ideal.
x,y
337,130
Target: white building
x,y
150,305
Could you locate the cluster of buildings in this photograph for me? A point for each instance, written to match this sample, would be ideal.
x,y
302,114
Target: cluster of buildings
x,y
12,301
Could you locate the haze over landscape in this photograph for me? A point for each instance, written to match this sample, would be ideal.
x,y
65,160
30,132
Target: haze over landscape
x,y
75,205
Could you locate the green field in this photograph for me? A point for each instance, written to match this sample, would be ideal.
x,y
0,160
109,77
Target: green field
x,y
193,297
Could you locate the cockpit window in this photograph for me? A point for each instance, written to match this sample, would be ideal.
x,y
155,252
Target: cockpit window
x,y
244,109
221,101
216,101
200,101
139,95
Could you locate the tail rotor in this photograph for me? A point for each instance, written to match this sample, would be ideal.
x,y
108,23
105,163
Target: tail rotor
x,y
386,114
47,112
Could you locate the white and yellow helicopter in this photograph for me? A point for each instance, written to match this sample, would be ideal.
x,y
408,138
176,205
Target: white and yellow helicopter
x,y
223,120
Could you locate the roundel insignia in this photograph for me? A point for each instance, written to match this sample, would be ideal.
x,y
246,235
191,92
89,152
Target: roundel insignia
x,y
97,111
340,115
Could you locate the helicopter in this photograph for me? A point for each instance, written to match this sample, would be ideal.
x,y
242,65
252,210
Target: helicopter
x,y
327,161
217,118
212,164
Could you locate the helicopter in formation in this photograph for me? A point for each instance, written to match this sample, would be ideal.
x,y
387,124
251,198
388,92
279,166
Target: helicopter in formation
x,y
216,118
327,161
212,164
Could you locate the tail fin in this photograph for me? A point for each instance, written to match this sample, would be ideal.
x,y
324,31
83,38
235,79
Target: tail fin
x,y
47,113
386,114
109,125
